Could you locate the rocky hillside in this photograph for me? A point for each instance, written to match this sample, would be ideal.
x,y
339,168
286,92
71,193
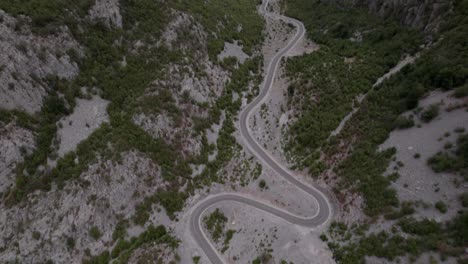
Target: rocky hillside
x,y
423,15
380,116
112,114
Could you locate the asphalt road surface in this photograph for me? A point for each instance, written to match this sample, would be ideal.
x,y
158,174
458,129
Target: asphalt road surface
x,y
324,208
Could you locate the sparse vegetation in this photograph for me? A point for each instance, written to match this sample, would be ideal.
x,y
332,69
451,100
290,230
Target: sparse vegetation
x,y
124,248
102,70
215,223
229,235
95,233
453,161
264,258
242,24
122,86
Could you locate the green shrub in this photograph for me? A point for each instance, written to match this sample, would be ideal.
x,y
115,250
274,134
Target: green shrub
x,y
403,122
441,206
229,235
262,184
196,259
442,162
324,237
458,229
405,210
215,223
70,243
464,199
94,232
423,227
120,230
430,113
36,235
461,91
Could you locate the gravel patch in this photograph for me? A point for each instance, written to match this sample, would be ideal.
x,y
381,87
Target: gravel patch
x,y
87,116
233,50
264,231
418,181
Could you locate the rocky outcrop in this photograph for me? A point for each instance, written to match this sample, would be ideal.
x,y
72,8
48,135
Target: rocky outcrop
x,y
107,11
425,15
200,77
104,195
15,142
27,59
192,82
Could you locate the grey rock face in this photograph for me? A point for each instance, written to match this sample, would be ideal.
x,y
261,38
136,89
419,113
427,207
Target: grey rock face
x,y
87,116
15,142
114,189
424,15
200,79
26,59
108,11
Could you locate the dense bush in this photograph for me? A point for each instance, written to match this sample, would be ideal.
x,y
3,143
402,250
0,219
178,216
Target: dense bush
x,y
95,233
452,162
442,162
215,223
325,84
441,206
461,91
430,113
21,118
458,230
464,199
47,16
403,122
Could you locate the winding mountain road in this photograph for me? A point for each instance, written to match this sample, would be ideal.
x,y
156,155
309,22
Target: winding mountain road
x,y
324,208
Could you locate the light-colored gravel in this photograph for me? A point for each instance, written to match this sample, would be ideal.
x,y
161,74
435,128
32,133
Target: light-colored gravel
x,y
87,116
263,231
233,50
418,181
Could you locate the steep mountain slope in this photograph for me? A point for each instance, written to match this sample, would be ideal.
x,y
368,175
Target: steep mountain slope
x,y
400,199
423,15
106,110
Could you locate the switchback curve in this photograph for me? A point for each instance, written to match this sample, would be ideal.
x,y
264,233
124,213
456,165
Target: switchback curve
x,y
324,208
